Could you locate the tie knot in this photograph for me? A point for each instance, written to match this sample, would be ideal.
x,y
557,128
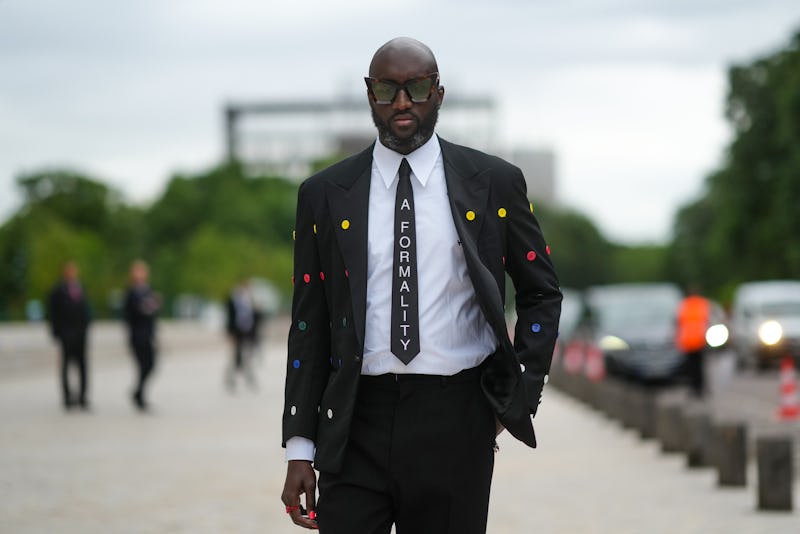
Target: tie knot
x,y
405,169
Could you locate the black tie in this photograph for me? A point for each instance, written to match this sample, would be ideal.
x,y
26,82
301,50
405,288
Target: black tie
x,y
405,308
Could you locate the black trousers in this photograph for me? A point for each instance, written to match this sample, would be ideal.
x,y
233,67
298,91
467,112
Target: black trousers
x,y
420,456
145,354
73,352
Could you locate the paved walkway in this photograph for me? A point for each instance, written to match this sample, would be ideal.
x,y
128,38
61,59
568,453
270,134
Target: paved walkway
x,y
209,462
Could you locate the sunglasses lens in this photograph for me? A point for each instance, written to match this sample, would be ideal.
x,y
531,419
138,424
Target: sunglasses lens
x,y
419,90
384,92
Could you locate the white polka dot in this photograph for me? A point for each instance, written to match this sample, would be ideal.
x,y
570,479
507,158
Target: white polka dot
x,y
546,379
330,413
522,367
293,410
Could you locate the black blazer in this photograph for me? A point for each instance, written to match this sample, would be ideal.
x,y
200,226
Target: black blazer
x,y
326,339
69,318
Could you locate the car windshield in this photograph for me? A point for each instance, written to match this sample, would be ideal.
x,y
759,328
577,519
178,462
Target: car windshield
x,y
634,311
781,309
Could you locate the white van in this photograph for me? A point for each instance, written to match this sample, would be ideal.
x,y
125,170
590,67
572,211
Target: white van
x,y
766,322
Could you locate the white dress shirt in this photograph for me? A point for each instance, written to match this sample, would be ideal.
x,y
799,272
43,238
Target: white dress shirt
x,y
454,334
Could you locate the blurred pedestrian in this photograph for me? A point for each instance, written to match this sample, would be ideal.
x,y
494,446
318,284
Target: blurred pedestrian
x,y
141,310
242,327
694,314
400,369
69,315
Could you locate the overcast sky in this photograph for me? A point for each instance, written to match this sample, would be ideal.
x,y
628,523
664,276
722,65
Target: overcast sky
x,y
629,94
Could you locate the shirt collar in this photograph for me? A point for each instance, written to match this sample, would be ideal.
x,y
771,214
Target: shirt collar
x,y
422,161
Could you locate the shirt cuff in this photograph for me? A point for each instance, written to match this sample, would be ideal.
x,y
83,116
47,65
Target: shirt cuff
x,y
299,448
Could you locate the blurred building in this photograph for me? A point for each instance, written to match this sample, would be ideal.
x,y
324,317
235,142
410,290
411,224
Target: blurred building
x,y
287,138
539,168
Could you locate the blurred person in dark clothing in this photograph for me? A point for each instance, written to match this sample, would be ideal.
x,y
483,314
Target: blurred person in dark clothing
x,y
242,326
141,309
69,316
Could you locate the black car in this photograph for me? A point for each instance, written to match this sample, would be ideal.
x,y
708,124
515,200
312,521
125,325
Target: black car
x,y
634,327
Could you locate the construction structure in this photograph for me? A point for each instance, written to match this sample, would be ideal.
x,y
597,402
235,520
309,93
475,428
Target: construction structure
x,y
291,137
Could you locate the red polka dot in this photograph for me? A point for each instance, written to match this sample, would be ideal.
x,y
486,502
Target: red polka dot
x,y
293,280
306,278
547,249
321,275
347,273
531,255
504,260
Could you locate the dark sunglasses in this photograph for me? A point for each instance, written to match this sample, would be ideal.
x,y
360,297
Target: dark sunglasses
x,y
418,89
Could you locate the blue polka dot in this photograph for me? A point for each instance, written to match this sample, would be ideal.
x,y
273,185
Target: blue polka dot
x,y
302,325
536,327
296,364
340,363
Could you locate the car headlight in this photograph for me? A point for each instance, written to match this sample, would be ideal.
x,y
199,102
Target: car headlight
x,y
770,332
717,335
613,343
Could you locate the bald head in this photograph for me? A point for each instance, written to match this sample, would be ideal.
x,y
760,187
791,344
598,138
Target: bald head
x,y
403,50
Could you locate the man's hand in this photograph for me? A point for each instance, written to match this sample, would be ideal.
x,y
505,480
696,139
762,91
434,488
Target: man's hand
x,y
300,478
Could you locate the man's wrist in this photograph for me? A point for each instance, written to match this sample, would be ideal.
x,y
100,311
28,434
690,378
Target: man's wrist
x,y
299,448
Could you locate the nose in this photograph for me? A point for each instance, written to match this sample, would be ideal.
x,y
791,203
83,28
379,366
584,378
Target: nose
x,y
402,100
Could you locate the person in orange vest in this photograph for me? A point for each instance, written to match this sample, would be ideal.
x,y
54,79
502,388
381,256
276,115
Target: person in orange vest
x,y
694,313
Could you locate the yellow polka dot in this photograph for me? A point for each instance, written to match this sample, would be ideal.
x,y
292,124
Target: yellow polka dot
x,y
531,205
501,213
294,235
345,224
470,215
315,228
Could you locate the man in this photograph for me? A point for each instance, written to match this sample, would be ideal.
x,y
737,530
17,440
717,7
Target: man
x,y
241,324
400,369
694,314
69,316
141,309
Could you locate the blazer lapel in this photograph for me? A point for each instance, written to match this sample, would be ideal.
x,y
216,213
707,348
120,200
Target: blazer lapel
x,y
348,200
468,189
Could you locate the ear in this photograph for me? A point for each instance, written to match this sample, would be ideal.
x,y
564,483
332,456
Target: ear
x,y
440,95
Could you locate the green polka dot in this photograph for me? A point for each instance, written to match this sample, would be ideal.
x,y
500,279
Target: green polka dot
x,y
302,325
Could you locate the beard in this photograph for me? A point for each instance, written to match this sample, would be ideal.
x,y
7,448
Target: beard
x,y
406,145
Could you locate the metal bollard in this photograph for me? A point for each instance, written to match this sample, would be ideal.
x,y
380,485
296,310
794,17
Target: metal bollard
x,y
698,436
647,421
775,473
731,454
671,427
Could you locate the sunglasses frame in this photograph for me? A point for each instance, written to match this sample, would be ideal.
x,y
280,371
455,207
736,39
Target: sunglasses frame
x,y
404,86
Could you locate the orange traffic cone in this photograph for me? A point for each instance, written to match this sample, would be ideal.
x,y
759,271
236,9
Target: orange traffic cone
x,y
790,403
595,366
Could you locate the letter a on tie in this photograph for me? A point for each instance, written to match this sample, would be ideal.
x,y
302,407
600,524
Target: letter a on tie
x,y
405,303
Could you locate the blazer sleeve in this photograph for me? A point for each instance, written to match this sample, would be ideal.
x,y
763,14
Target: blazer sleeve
x,y
308,356
538,297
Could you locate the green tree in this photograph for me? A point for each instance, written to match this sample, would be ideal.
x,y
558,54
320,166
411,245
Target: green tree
x,y
747,224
